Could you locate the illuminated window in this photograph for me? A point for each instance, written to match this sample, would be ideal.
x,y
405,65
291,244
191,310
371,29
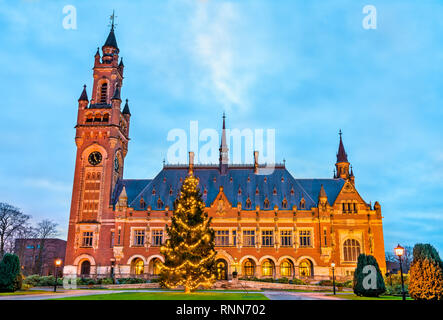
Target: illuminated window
x,y
91,196
325,236
302,203
284,203
351,250
85,268
248,203
234,237
106,117
249,268
249,238
87,239
138,266
139,237
305,268
157,237
156,267
222,238
266,204
112,238
286,238
305,238
267,238
267,268
286,269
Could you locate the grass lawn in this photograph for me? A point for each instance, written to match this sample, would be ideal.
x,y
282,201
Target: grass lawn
x,y
170,296
355,297
20,293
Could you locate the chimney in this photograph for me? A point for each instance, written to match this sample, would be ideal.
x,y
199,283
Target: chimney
x,y
255,162
191,162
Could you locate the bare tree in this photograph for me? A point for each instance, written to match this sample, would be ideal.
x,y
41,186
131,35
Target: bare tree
x,y
45,229
11,221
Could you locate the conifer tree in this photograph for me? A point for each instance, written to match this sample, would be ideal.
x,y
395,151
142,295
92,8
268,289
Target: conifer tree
x,y
426,274
362,286
9,273
189,252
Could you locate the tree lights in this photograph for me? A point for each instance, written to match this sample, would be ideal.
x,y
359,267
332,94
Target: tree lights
x,y
189,252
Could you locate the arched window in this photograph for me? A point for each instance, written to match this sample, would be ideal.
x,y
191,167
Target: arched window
x,y
267,268
302,203
249,268
85,268
89,117
142,203
103,92
97,117
351,250
305,268
156,267
286,269
137,266
284,203
106,117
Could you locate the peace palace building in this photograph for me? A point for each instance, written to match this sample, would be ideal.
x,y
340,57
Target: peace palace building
x,y
266,224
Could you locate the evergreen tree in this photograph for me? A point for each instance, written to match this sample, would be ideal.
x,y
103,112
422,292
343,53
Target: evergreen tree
x,y
9,273
362,284
426,274
189,252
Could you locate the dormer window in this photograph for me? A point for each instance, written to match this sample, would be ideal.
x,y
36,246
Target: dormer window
x,y
142,203
266,203
153,192
239,191
275,191
302,203
215,179
292,191
257,191
205,192
170,191
265,179
164,179
284,203
230,179
249,179
159,204
282,179
248,203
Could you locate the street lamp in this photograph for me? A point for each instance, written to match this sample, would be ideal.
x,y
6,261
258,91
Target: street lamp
x,y
399,252
333,276
57,263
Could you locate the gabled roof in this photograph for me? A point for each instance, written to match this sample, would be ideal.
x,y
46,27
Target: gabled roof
x,y
166,186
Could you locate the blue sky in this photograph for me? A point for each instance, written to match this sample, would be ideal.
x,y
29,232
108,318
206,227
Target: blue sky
x,y
304,68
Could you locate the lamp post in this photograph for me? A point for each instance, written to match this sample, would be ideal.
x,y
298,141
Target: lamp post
x,y
57,264
333,276
399,252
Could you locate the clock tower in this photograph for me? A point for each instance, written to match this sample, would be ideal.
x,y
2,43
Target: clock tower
x,y
102,136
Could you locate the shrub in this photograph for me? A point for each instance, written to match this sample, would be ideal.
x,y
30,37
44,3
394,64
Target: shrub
x,y
393,283
297,281
426,274
130,280
283,280
9,273
106,281
155,280
363,287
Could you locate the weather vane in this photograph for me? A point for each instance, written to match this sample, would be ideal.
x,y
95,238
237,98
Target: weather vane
x,y
112,20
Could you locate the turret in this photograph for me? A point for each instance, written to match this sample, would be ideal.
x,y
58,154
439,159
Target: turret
x,y
223,159
342,164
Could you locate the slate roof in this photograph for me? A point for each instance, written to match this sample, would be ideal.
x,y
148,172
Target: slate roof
x,y
111,41
167,184
341,154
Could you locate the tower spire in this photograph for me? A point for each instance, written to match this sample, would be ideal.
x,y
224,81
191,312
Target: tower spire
x,y
342,163
223,160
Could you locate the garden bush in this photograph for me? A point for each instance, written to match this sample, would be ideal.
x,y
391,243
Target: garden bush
x,y
10,278
130,280
360,278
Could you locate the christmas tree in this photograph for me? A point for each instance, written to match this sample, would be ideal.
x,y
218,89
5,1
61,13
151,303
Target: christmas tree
x,y
189,252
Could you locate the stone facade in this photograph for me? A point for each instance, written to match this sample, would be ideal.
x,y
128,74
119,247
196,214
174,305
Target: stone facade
x,y
267,223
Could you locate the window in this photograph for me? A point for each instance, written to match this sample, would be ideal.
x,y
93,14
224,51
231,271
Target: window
x,y
249,238
112,238
30,247
234,237
157,237
156,268
305,268
119,236
302,203
249,268
286,238
274,192
138,266
103,92
248,203
284,203
139,238
159,203
266,204
87,239
142,203
286,269
267,268
85,268
256,191
222,238
106,117
267,238
325,236
91,196
305,238
351,250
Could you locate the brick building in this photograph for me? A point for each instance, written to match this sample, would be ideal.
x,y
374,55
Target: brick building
x,y
268,223
28,251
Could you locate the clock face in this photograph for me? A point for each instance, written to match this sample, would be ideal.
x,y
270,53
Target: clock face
x,y
95,158
116,164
